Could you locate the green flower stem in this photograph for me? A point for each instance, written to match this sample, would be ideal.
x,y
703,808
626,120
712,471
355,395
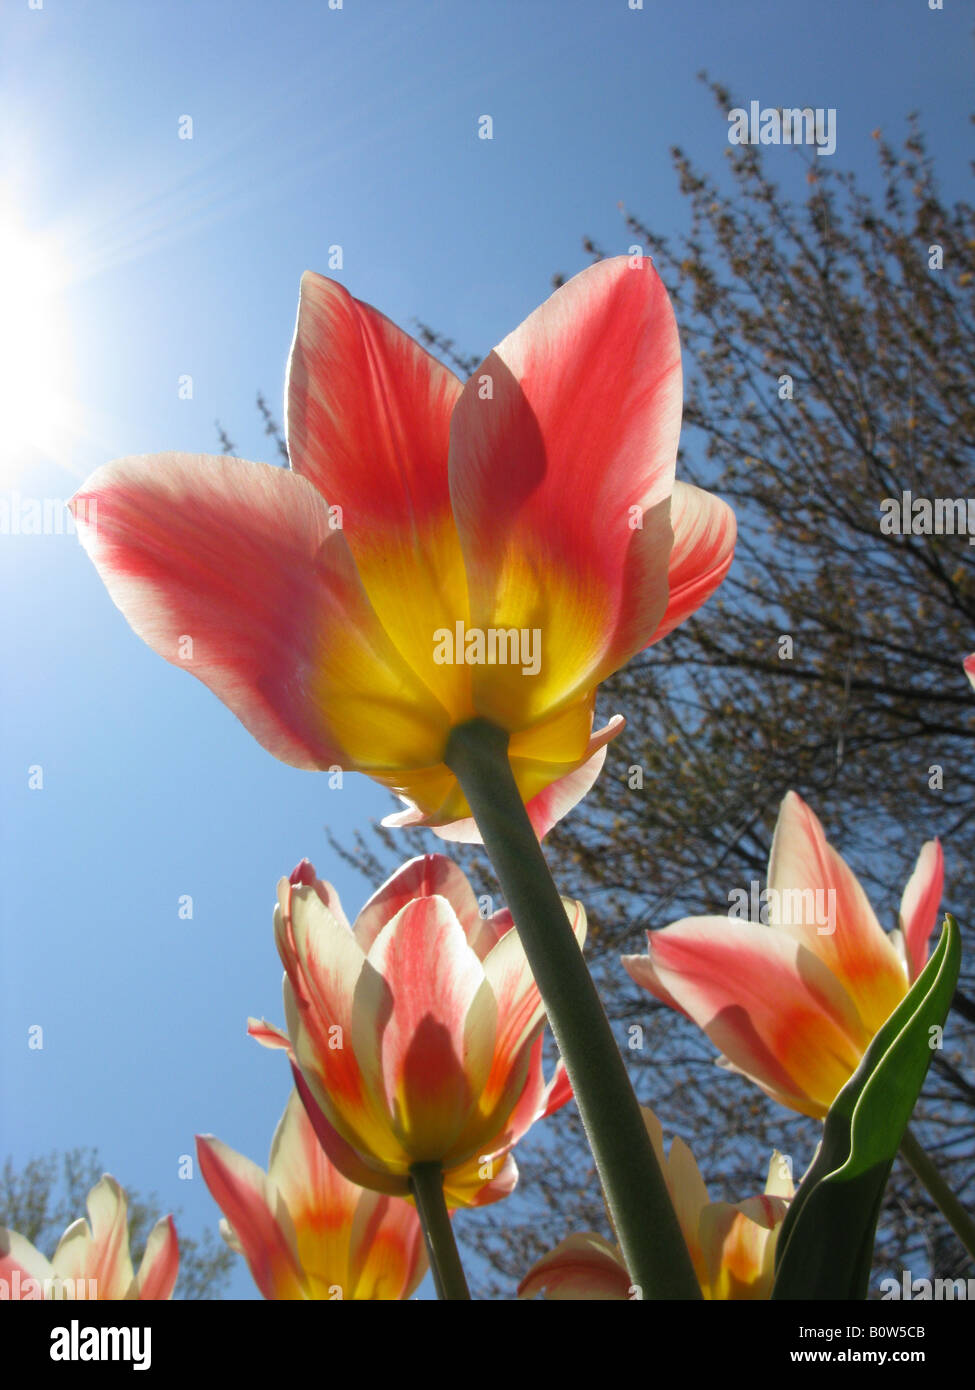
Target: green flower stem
x,y
944,1199
650,1238
426,1185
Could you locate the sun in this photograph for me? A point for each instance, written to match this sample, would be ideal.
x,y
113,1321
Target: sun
x,y
34,357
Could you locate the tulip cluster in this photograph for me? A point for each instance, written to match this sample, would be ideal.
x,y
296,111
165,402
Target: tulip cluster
x,y
92,1258
431,595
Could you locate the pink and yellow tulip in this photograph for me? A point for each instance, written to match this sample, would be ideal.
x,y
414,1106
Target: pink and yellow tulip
x,y
305,1230
534,506
92,1259
731,1245
416,1034
795,1004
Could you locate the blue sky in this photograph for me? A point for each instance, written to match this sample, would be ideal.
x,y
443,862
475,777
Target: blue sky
x,y
170,257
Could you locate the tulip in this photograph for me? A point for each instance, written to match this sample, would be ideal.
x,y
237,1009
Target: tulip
x,y
969,665
795,1004
305,1230
416,1032
93,1256
731,1245
436,552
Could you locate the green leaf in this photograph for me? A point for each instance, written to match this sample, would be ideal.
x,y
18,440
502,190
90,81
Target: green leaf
x,y
825,1245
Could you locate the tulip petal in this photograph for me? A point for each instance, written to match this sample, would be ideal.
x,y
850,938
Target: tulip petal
x,y
434,788
352,1243
387,1256
347,1159
705,530
521,1012
557,1093
483,1179
779,1182
320,1201
689,1197
537,1100
557,799
520,1009
100,1251
231,570
267,1035
560,789
580,1267
160,1262
561,468
815,897
969,668
437,1045
258,1216
305,874
764,1000
738,1247
368,412
642,971
919,905
489,931
19,1257
368,422
334,1001
427,876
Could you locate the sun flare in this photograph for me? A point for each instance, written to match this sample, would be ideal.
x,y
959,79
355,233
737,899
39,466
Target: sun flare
x,y
34,399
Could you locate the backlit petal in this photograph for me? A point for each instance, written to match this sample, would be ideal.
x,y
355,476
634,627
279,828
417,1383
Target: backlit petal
x,y
383,1175
427,876
690,1198
231,570
561,468
521,1012
705,530
21,1265
368,422
919,905
481,1180
438,1042
99,1248
333,1005
815,897
580,1267
387,1251
554,765
258,1216
160,1262
352,1243
765,1001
